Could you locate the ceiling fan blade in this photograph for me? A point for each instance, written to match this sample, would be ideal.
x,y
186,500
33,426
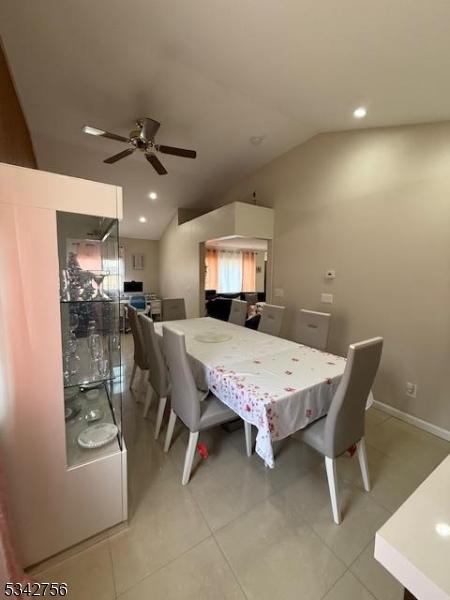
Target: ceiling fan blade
x,y
106,134
116,157
156,164
149,129
176,151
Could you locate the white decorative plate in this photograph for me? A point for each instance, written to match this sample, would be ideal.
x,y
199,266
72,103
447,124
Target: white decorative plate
x,y
211,337
97,436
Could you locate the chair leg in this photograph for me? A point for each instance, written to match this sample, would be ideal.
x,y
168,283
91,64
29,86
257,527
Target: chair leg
x,y
148,400
133,375
190,452
248,437
142,385
330,464
160,415
362,457
169,432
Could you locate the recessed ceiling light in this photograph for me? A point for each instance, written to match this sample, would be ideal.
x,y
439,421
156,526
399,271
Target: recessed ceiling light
x,y
443,529
153,195
256,140
142,220
360,112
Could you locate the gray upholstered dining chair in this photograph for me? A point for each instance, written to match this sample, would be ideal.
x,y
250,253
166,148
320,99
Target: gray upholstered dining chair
x,y
140,354
238,312
271,319
198,410
343,426
173,309
157,372
313,328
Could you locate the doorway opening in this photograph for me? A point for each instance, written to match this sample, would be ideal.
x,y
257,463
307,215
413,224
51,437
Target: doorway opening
x,y
234,267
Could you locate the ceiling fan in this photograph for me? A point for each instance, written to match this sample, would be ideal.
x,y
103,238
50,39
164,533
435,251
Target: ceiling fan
x,y
143,139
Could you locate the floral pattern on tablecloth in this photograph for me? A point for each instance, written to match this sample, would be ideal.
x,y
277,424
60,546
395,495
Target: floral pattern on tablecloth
x,y
277,385
276,400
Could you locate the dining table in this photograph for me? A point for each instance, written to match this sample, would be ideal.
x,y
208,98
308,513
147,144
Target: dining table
x,y
278,385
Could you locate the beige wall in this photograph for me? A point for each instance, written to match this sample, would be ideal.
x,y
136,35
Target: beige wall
x,y
15,141
150,274
180,262
375,206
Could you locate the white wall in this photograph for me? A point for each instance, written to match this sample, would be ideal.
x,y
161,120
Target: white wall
x,y
150,274
375,206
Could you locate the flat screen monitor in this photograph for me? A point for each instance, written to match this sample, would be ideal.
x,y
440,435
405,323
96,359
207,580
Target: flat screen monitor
x,y
133,286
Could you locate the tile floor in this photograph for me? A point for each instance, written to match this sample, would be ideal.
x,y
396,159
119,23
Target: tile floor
x,y
239,530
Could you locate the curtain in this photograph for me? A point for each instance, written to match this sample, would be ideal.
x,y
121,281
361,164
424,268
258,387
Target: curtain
x,y
212,269
248,272
230,271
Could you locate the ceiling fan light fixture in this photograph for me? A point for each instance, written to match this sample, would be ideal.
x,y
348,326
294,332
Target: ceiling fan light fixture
x,y
92,130
360,112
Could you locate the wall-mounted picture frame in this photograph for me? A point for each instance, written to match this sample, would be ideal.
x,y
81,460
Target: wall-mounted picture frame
x,y
138,262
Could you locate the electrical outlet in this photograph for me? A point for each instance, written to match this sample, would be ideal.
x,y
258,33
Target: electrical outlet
x,y
326,298
278,292
411,389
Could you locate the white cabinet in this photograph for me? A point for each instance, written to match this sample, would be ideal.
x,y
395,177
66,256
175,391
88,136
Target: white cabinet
x,y
56,500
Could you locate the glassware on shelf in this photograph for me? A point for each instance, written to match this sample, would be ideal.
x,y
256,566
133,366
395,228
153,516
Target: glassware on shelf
x,y
103,367
71,366
74,363
98,277
90,332
65,285
115,342
71,345
66,371
91,328
74,321
96,346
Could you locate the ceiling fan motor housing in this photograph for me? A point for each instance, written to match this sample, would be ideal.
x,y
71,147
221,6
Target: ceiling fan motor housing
x,y
143,139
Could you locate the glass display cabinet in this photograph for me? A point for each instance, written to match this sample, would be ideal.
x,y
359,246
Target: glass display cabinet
x,y
63,453
88,249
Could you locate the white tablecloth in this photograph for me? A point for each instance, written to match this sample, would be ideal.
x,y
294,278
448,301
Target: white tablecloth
x,y
277,385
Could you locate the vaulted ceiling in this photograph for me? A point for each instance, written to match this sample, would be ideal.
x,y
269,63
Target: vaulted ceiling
x,y
216,73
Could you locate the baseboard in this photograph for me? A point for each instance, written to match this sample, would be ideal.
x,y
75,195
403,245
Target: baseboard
x,y
420,423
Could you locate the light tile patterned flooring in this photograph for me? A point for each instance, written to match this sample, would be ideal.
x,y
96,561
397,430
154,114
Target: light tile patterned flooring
x,y
239,530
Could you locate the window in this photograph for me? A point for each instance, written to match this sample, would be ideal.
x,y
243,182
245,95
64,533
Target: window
x,y
230,271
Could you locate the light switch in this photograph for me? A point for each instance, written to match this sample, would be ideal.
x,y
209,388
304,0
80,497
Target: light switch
x,y
326,298
278,292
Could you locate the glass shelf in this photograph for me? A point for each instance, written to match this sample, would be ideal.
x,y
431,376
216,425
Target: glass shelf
x,y
88,249
104,300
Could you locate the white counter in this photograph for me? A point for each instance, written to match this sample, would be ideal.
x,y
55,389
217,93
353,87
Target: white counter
x,y
414,545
